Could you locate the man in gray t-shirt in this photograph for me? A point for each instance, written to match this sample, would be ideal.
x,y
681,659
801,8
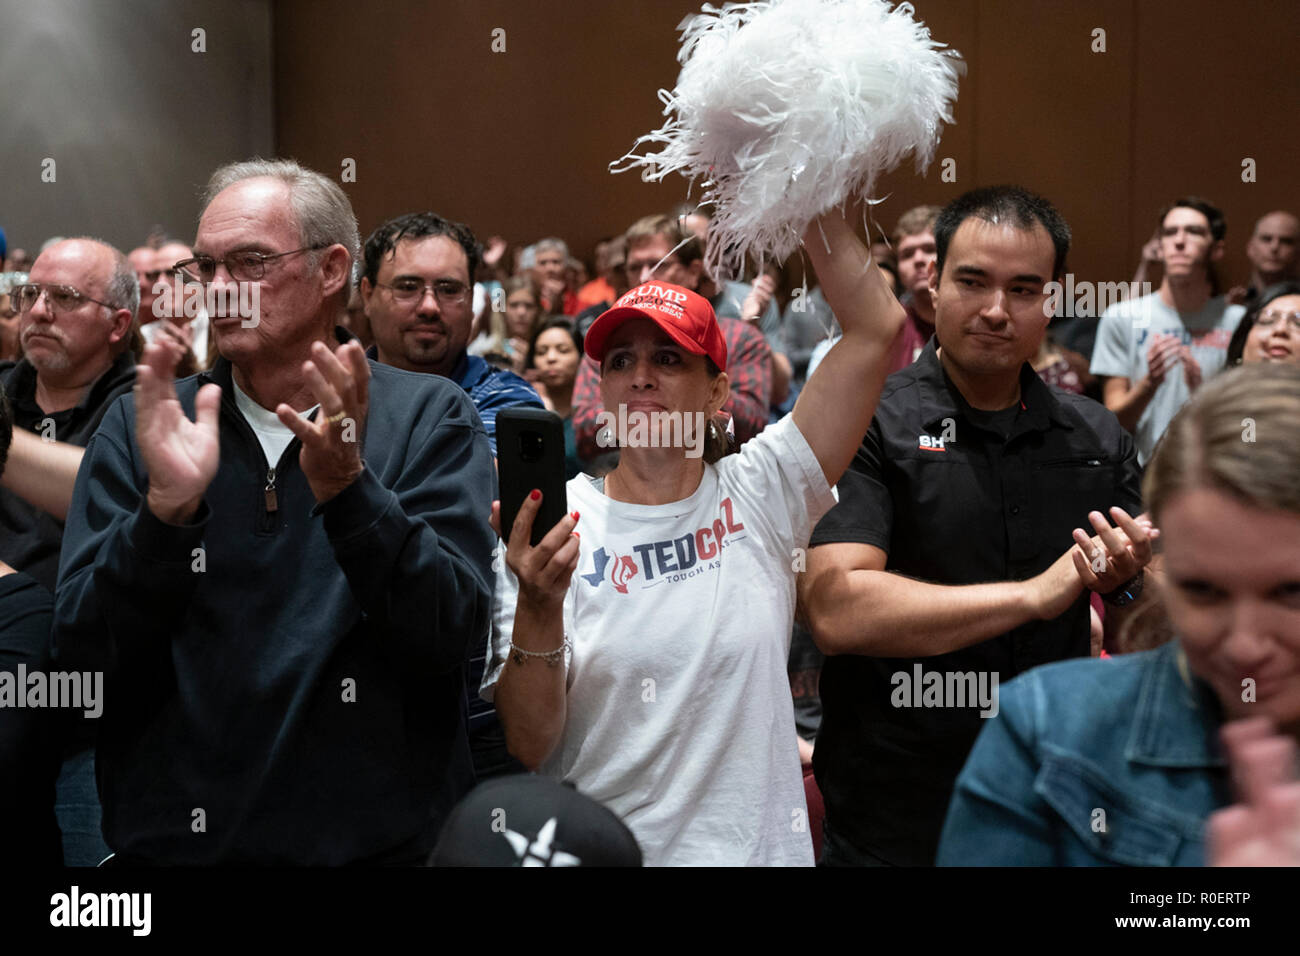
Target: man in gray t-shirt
x,y
1153,352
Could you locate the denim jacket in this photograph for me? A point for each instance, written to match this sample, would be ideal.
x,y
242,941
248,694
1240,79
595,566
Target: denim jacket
x,y
1092,763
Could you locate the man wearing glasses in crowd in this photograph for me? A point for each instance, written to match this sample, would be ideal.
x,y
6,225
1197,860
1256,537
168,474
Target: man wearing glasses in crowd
x,y
417,286
75,316
280,565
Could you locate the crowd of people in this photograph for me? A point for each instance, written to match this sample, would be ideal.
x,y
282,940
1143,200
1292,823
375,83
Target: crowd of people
x,y
257,605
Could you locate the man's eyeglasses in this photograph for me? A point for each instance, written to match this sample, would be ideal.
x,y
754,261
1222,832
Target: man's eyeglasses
x,y
1270,318
410,291
242,266
61,298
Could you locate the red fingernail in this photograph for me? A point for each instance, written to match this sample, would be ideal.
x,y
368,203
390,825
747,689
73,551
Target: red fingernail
x,y
575,534
576,516
535,495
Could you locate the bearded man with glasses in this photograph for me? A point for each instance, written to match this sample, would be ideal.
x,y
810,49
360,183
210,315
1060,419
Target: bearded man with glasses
x,y
417,284
417,287
279,564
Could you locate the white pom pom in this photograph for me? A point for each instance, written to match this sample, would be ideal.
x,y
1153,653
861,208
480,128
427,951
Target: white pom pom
x,y
785,109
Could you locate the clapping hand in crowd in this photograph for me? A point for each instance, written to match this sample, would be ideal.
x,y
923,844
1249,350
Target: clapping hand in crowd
x,y
1263,828
331,444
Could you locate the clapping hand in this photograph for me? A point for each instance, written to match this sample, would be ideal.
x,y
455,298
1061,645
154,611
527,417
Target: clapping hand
x,y
1114,555
1263,828
180,455
331,445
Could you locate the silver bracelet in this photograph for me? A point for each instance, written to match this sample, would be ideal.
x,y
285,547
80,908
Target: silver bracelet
x,y
551,657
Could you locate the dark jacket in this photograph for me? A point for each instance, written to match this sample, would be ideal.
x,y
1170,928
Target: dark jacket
x,y
284,686
1093,763
29,750
30,538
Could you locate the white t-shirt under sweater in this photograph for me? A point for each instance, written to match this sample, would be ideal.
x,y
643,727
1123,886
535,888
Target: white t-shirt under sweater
x,y
679,713
271,433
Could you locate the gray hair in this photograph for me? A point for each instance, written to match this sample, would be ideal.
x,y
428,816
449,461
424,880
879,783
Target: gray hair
x,y
552,243
320,206
123,289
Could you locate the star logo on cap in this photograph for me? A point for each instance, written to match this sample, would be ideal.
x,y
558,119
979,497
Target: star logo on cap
x,y
538,852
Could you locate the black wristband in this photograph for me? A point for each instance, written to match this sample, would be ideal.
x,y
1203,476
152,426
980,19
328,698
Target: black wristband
x,y
1126,593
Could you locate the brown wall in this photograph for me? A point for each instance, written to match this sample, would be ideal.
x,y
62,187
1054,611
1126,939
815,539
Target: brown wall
x,y
518,143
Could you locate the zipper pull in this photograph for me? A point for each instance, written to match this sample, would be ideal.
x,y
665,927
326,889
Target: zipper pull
x,y
271,503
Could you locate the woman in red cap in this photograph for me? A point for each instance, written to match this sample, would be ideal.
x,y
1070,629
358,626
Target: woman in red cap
x,y
643,657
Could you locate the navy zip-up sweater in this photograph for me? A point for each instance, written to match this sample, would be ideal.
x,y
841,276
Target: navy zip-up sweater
x,y
287,685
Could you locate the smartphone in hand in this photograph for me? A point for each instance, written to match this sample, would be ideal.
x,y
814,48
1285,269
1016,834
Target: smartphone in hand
x,y
530,454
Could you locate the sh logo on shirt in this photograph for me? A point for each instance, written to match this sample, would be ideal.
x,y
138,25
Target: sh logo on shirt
x,y
669,560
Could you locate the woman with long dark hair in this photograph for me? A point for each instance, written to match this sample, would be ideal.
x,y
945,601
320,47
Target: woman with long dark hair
x,y
553,357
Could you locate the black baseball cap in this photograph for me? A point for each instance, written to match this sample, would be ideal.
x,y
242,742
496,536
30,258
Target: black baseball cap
x,y
531,820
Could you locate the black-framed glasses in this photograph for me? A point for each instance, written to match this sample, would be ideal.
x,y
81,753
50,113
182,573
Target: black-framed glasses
x,y
60,298
1269,318
410,291
242,266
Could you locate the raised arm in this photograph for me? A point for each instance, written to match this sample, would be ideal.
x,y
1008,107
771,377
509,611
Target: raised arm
x,y
137,517
43,473
835,408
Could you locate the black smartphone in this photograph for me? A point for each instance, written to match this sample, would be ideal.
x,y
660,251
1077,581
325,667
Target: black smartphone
x,y
530,454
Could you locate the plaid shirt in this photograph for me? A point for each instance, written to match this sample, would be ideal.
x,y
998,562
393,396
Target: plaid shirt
x,y
749,368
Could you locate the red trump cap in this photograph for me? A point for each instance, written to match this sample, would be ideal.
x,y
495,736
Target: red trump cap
x,y
684,315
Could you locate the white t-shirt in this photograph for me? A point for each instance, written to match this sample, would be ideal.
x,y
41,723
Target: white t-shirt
x,y
1125,335
271,433
679,712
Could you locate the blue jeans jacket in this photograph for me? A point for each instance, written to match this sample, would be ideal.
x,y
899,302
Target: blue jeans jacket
x,y
1092,763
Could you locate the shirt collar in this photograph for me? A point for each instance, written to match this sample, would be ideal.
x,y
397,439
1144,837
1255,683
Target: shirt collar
x,y
1177,718
941,399
91,397
221,369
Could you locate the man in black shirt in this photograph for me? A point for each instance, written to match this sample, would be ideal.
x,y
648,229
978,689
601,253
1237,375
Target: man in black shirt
x,y
75,316
972,471
76,362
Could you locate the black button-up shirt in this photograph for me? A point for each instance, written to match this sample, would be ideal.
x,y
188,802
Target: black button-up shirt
x,y
29,538
953,501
